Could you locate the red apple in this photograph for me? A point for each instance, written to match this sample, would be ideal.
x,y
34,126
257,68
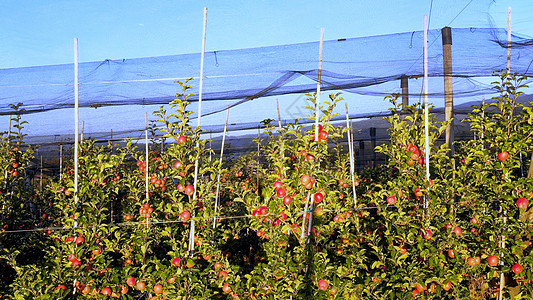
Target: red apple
x,y
458,231
493,260
323,285
263,210
189,190
318,198
182,139
185,216
517,269
226,288
176,262
391,200
522,203
503,156
131,281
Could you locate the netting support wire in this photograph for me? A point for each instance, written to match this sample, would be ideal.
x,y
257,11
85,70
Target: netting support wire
x,y
318,82
200,95
351,152
147,166
220,167
426,108
76,131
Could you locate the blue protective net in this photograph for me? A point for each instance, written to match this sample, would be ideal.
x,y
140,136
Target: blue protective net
x,y
369,66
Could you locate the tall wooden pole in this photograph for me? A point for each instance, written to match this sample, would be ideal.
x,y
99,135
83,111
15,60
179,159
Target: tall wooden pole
x,y
448,86
404,84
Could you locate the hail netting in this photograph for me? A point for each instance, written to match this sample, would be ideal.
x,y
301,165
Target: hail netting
x,y
115,93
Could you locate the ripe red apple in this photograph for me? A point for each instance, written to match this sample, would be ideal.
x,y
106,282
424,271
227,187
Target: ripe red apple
x,y
189,190
415,293
182,139
427,234
451,253
458,231
223,275
447,286
503,156
158,289
61,287
391,200
493,260
141,285
226,288
263,210
323,285
471,261
256,213
131,281
281,192
106,291
278,185
176,262
318,198
185,215
79,240
517,269
287,200
323,135
181,188
522,203
305,179
178,164
72,257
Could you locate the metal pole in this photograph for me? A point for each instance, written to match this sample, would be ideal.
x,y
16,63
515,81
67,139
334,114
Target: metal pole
x,y
318,83
351,153
220,165
200,94
76,131
426,109
76,120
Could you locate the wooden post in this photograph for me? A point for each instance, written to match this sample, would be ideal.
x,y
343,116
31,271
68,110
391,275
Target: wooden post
x,y
530,173
404,84
373,144
448,85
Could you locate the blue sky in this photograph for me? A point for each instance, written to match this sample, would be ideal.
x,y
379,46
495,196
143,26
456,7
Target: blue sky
x,y
42,32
